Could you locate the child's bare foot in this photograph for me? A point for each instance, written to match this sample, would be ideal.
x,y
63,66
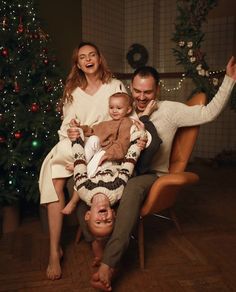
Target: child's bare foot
x,y
70,166
105,274
96,262
97,284
54,266
69,208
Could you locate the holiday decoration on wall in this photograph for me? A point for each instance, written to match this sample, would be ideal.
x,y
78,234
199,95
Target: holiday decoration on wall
x,y
188,37
137,56
30,86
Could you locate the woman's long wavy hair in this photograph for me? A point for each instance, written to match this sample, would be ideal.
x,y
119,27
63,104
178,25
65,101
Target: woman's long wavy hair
x,y
77,78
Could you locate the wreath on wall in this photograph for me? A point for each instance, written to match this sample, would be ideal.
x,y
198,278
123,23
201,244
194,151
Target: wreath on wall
x,y
188,38
137,56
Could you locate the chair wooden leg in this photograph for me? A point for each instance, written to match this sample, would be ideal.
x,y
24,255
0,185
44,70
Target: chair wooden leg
x,y
78,235
141,243
175,220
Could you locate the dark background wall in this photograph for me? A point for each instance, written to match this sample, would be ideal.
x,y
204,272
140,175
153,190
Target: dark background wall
x,y
62,20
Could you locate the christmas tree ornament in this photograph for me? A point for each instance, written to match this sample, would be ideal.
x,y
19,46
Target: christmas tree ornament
x,y
20,28
34,107
18,135
1,117
16,87
2,139
4,52
46,61
35,143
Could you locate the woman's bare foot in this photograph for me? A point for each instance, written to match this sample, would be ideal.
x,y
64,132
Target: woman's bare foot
x,y
54,266
69,208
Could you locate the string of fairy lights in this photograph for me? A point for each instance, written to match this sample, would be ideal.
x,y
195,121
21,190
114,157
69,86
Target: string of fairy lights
x,y
178,86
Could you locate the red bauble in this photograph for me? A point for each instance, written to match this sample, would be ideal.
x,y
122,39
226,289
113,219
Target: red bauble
x,y
20,28
18,135
45,61
16,87
4,52
34,107
2,139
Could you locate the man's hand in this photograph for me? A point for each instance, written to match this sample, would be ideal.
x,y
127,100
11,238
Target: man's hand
x,y
151,107
231,68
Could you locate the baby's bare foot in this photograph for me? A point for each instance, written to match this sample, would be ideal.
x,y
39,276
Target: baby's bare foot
x,y
96,262
105,274
97,284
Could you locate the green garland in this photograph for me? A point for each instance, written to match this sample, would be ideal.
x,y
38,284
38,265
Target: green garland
x,y
188,38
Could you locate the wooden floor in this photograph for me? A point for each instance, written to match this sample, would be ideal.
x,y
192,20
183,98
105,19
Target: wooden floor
x,y
202,259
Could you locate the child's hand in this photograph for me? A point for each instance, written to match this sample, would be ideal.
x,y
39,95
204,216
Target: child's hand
x,y
151,107
140,125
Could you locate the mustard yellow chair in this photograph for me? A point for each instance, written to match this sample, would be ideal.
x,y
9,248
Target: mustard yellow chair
x,y
164,191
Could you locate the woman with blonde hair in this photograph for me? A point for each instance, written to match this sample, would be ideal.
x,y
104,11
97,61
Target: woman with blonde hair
x,y
85,98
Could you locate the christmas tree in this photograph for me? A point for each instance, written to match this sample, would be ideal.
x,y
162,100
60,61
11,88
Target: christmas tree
x,y
30,86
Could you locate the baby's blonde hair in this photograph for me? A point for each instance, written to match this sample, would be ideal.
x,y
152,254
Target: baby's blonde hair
x,y
124,95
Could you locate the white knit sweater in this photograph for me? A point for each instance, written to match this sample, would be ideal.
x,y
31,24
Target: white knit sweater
x,y
172,115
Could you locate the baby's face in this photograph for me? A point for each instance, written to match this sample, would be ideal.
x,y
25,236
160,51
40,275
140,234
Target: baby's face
x,y
119,107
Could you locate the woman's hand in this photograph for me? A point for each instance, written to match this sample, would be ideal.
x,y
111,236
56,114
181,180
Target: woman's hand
x,y
73,132
231,68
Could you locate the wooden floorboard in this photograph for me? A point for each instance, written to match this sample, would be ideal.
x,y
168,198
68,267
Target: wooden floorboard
x,y
201,259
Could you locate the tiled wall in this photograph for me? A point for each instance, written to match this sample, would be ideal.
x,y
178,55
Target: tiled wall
x,y
116,24
103,23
